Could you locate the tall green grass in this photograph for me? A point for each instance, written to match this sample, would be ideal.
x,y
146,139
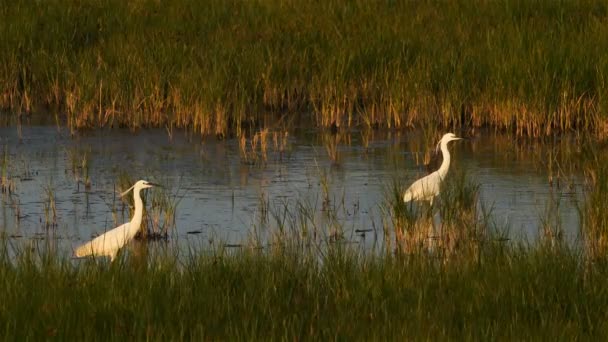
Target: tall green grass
x,y
511,292
531,67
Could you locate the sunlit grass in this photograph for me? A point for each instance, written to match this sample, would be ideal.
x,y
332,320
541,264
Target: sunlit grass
x,y
529,67
509,292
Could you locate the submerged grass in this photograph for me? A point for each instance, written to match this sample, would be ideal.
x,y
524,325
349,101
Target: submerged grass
x,y
530,67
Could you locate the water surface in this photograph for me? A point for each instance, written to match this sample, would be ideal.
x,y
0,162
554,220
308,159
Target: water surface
x,y
222,195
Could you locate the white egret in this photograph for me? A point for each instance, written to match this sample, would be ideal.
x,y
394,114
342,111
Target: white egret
x,y
109,243
426,188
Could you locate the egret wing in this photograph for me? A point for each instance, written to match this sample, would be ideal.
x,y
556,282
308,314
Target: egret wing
x,y
423,189
107,243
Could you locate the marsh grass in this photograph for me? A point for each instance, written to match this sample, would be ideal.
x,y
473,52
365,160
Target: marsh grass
x,y
217,67
162,213
512,292
465,221
411,224
50,208
80,163
7,184
263,144
551,230
254,151
331,142
594,211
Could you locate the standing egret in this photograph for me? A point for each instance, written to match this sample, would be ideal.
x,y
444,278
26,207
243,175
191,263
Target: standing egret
x,y
426,188
109,243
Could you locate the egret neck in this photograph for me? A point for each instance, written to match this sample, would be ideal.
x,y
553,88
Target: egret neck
x,y
137,216
445,164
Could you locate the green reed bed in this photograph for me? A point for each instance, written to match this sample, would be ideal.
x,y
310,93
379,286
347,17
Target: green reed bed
x,y
532,67
510,292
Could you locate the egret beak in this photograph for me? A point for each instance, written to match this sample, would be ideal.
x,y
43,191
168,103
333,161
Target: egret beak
x,y
154,184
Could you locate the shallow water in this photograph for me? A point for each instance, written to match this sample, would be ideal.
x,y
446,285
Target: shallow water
x,y
223,197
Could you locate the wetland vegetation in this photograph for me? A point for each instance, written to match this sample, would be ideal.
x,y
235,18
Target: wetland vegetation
x,y
503,292
533,68
324,254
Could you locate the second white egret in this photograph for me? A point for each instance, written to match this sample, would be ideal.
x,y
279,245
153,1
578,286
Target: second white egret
x,y
426,188
109,243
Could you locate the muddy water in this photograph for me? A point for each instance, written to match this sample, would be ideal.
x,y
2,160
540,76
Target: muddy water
x,y
223,195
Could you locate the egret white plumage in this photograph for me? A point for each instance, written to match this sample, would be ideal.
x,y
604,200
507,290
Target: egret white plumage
x,y
109,243
426,188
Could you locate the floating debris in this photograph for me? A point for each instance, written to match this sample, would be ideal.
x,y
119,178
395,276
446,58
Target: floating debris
x,y
363,230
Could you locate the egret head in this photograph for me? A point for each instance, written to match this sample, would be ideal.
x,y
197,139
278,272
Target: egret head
x,y
445,139
141,184
449,137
